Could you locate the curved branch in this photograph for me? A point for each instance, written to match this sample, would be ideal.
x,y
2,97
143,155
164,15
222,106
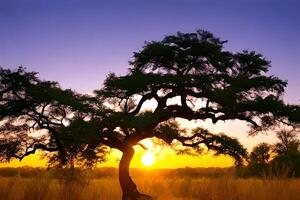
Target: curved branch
x,y
141,102
33,148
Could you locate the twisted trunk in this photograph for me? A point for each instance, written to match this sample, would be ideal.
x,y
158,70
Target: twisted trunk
x,y
129,189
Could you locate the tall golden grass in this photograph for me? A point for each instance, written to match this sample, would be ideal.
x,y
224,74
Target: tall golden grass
x,y
160,187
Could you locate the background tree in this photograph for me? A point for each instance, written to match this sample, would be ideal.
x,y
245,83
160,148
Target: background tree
x,y
280,159
288,142
260,154
259,159
287,159
206,82
34,115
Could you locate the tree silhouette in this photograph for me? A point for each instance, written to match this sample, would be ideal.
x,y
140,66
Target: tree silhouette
x,y
288,142
192,69
35,113
259,159
260,154
287,160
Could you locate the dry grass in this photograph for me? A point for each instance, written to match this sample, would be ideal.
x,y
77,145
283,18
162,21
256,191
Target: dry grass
x,y
161,188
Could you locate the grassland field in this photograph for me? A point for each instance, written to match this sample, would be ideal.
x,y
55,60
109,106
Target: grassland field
x,y
182,184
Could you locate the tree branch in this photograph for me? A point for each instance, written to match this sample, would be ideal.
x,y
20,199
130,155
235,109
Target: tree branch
x,y
33,148
141,102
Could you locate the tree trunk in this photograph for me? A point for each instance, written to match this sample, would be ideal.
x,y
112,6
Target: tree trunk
x,y
129,189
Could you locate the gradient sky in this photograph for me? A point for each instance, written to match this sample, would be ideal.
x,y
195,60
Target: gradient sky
x,y
78,42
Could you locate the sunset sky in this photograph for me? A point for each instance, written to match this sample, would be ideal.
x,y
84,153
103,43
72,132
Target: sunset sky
x,y
77,43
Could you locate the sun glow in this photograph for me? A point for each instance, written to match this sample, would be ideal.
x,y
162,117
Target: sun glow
x,y
148,159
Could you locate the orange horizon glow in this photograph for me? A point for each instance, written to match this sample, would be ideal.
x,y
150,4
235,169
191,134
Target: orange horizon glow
x,y
165,157
171,161
156,158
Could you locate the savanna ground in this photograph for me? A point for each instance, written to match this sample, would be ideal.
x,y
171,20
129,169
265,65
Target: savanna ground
x,y
163,185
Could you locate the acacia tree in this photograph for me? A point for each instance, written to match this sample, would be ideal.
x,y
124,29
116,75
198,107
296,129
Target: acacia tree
x,y
39,115
193,67
206,81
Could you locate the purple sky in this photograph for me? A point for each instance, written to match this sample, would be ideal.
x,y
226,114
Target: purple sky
x,y
78,42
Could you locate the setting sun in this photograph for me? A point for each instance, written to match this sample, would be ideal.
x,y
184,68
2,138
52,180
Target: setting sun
x,y
148,159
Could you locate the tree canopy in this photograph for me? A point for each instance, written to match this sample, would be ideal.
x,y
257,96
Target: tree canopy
x,y
194,66
34,116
